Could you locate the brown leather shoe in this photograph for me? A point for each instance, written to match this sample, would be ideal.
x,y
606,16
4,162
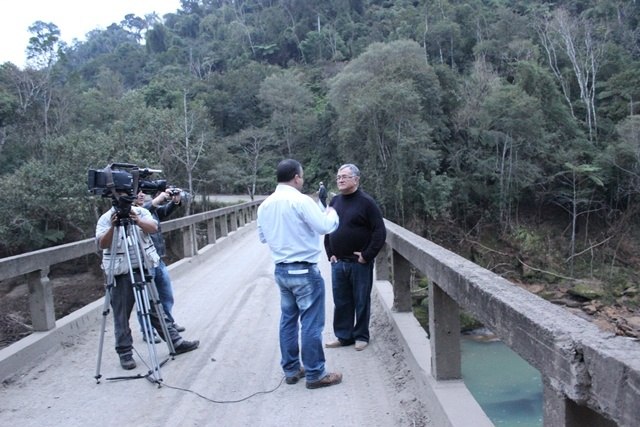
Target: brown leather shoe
x,y
295,377
330,379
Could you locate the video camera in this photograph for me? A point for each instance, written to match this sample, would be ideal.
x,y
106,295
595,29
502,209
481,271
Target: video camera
x,y
119,178
121,182
123,178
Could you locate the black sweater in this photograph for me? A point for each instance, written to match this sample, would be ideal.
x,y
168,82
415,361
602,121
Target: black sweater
x,y
361,227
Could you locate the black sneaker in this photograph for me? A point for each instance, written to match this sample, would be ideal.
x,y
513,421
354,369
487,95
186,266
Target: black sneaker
x,y
179,328
127,362
186,346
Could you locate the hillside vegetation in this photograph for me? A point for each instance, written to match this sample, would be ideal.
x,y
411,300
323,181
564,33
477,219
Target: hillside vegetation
x,y
507,131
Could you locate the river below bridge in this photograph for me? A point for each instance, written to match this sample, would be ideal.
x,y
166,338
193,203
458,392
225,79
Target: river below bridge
x,y
507,388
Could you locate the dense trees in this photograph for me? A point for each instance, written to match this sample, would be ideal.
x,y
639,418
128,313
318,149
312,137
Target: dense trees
x,y
388,121
472,112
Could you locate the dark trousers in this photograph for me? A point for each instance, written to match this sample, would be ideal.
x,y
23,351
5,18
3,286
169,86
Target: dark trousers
x,y
122,302
352,283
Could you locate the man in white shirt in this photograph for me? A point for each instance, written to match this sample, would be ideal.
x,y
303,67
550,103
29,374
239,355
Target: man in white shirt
x,y
291,224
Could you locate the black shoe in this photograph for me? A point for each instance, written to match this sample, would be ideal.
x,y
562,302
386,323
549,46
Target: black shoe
x,y
127,362
156,339
186,346
295,377
179,328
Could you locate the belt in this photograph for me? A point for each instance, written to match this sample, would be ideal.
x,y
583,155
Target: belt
x,y
296,263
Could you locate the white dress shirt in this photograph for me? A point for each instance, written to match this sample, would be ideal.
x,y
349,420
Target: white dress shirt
x,y
291,224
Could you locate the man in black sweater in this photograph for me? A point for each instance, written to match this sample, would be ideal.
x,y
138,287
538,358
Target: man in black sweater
x,y
352,249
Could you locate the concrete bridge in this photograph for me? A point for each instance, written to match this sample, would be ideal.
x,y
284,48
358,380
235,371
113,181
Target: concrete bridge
x,y
226,296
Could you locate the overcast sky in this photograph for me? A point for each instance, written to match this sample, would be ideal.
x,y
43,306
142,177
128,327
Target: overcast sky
x,y
74,18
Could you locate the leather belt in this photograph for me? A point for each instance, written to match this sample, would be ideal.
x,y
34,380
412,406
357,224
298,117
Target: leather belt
x,y
296,263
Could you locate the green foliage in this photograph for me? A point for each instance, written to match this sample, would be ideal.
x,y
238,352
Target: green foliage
x,y
529,241
621,93
290,105
451,109
387,102
435,194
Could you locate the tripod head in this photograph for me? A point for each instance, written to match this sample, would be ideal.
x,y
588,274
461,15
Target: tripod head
x,y
122,205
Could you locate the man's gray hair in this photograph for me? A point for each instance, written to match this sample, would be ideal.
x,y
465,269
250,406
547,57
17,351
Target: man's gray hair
x,y
354,169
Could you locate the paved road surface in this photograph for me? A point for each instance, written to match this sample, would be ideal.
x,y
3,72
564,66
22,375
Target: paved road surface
x,y
231,305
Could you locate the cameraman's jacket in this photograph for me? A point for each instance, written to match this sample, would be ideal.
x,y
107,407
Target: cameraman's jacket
x,y
160,213
120,264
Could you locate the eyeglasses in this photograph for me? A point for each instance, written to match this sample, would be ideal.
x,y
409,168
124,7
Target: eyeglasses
x,y
343,177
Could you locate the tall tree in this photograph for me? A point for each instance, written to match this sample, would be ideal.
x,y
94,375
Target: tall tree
x,y
42,53
388,106
582,44
577,194
290,105
254,148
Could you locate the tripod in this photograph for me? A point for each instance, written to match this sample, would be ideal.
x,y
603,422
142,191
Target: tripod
x,y
139,277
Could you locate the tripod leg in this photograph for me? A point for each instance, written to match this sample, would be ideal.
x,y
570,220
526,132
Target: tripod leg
x,y
143,309
105,313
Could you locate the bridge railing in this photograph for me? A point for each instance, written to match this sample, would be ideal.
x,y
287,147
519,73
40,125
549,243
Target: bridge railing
x,y
194,232
589,377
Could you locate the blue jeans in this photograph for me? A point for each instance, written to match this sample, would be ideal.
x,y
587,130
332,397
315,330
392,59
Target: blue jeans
x,y
165,291
351,284
301,300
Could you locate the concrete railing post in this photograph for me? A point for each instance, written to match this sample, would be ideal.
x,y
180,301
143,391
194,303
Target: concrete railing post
x,y
383,264
224,225
211,231
444,335
242,220
188,242
401,283
558,410
43,314
234,221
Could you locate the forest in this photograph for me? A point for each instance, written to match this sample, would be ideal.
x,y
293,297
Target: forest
x,y
505,130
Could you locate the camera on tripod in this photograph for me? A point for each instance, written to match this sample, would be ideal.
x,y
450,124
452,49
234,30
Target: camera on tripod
x,y
121,182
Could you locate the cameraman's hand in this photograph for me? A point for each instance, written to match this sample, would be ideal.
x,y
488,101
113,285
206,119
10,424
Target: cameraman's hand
x,y
161,199
147,224
134,216
177,196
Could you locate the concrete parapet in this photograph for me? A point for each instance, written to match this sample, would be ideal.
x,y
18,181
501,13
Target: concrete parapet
x,y
595,374
22,355
449,403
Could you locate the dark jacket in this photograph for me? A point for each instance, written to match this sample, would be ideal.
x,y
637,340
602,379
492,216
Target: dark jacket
x,y
160,213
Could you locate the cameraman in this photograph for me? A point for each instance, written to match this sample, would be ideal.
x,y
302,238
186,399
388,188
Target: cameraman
x,y
161,207
122,295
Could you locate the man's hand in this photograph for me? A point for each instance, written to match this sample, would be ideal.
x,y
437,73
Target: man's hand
x,y
176,196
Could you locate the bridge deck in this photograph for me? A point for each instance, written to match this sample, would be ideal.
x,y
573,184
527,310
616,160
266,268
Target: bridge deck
x,y
231,304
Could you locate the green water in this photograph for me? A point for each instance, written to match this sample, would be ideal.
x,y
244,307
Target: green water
x,y
507,388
